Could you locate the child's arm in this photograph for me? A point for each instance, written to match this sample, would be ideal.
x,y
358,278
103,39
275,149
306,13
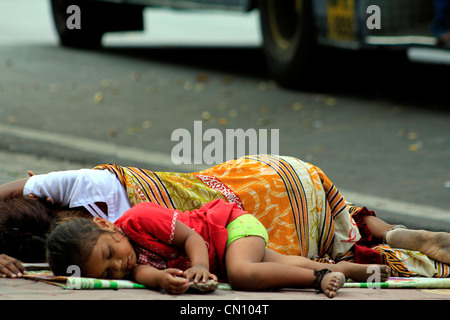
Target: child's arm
x,y
169,280
195,248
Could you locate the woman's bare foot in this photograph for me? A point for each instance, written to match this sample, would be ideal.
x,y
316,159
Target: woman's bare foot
x,y
362,272
331,283
435,245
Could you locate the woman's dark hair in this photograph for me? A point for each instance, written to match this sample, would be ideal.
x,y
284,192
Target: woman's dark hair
x,y
24,224
71,243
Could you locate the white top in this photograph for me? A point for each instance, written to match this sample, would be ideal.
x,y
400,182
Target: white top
x,y
82,188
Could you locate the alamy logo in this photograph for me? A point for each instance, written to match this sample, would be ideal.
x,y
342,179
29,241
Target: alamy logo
x,y
74,20
373,281
73,281
374,20
236,143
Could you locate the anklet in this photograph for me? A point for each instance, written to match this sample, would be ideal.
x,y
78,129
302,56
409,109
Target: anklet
x,y
319,274
400,226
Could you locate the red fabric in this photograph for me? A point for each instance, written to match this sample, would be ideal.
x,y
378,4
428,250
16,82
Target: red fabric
x,y
363,252
151,227
365,255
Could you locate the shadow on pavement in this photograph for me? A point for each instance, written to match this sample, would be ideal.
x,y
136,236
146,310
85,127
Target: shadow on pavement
x,y
373,74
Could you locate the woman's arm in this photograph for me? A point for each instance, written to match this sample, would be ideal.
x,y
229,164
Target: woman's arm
x,y
12,189
9,266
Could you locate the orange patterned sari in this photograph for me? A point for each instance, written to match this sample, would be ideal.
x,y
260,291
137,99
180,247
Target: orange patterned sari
x,y
302,210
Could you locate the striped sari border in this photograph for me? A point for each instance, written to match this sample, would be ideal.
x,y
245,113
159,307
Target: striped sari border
x,y
295,192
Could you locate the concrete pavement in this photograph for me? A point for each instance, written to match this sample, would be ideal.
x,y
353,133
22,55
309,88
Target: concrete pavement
x,y
22,289
14,166
221,304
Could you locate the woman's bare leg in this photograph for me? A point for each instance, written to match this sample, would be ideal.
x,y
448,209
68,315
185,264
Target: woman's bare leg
x,y
377,226
435,245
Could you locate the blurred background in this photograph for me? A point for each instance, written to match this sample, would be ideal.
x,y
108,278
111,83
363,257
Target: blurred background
x,y
368,106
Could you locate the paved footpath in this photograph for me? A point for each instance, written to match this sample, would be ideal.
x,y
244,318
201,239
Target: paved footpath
x,y
14,166
22,289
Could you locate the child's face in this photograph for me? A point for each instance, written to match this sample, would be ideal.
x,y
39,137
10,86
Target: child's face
x,y
112,257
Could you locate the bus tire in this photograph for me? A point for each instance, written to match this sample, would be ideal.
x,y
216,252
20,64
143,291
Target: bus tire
x,y
288,39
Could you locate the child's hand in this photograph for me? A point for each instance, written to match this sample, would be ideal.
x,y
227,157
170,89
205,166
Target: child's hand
x,y
198,273
170,280
173,282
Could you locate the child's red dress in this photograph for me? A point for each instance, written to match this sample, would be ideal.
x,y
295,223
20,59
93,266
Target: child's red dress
x,y
151,228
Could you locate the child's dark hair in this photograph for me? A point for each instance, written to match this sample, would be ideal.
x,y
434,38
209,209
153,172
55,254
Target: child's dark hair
x,y
71,243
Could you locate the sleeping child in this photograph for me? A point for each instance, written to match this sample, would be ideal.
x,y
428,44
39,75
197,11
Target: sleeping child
x,y
170,250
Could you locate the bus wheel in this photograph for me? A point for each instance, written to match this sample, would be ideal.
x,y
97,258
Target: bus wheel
x,y
288,39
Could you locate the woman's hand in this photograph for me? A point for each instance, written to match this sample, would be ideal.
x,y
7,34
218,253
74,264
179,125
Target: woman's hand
x,y
198,273
11,267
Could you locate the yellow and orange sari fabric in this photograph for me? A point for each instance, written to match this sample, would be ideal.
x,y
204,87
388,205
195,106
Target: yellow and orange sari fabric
x,y
303,211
